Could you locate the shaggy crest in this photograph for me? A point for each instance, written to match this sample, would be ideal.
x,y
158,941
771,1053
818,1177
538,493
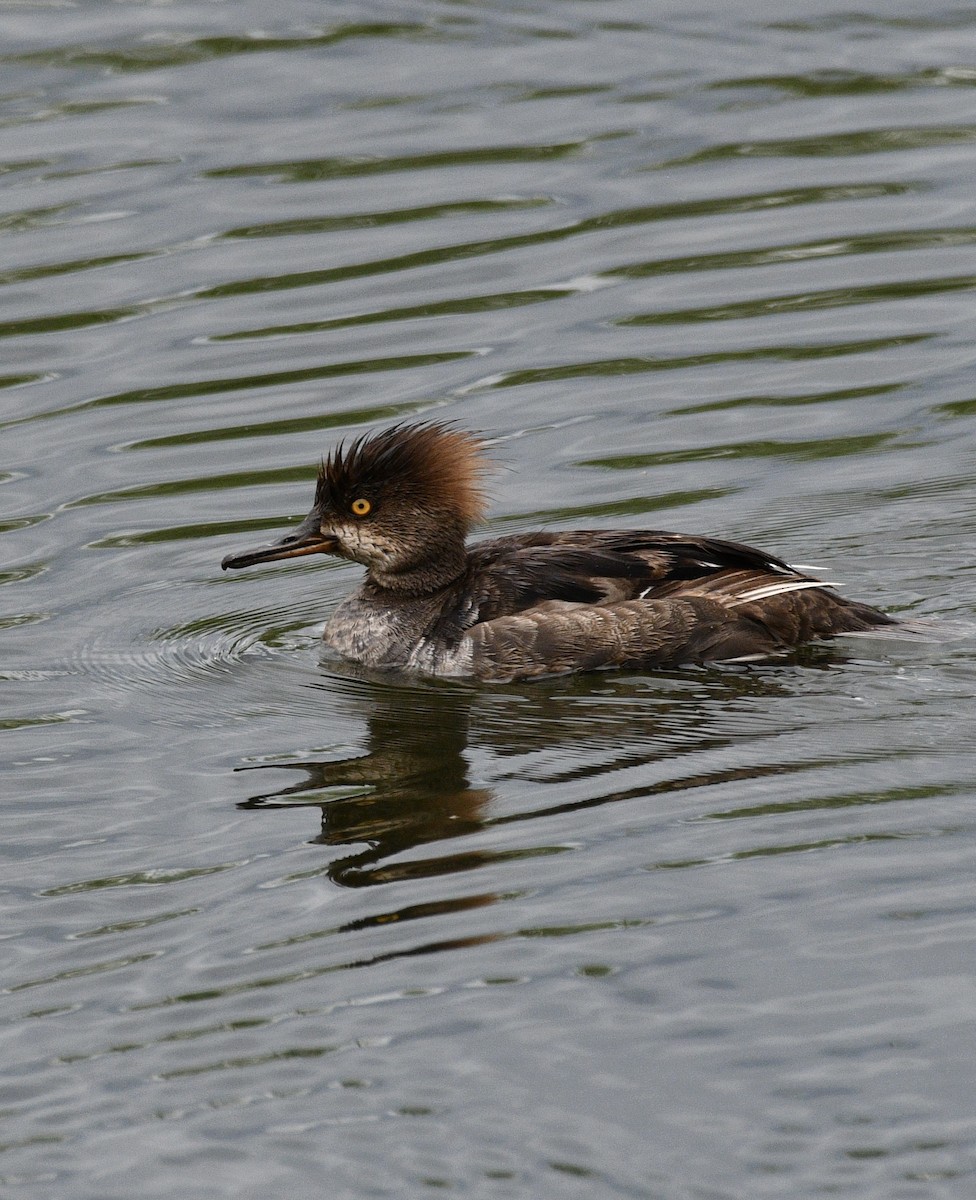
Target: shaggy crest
x,y
429,463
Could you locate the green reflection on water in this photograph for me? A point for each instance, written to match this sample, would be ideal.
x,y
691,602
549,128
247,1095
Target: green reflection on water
x,y
817,84
343,167
58,321
214,387
806,301
834,145
46,270
441,308
893,795
361,416
772,400
180,487
371,220
636,365
806,451
157,55
632,506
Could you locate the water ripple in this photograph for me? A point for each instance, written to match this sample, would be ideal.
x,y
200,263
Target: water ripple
x,y
312,170
834,145
216,387
639,364
176,51
193,654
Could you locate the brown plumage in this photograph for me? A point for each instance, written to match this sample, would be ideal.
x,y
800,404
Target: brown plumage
x,y
401,502
425,463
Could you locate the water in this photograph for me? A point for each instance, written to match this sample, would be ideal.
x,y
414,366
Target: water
x,y
271,927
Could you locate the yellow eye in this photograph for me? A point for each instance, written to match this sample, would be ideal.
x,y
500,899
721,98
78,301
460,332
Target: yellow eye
x,y
360,507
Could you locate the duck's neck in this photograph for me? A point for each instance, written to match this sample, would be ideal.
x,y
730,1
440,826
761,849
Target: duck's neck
x,y
422,577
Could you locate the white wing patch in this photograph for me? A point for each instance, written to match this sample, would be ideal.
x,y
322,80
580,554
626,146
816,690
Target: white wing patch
x,y
777,589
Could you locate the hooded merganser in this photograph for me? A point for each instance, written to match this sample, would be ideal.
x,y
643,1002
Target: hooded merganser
x,y
402,501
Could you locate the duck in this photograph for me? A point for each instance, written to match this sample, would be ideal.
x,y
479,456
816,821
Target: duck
x,y
402,502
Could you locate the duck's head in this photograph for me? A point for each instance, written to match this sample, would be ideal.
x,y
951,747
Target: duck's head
x,y
401,502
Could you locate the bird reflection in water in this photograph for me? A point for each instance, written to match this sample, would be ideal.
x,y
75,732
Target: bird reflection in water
x,y
411,788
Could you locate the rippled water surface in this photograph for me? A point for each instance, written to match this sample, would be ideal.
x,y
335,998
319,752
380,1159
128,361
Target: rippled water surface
x,y
275,929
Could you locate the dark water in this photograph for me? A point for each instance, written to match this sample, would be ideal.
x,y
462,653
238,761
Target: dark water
x,y
274,929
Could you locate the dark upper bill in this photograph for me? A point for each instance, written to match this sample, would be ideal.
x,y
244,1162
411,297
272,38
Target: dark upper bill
x,y
308,538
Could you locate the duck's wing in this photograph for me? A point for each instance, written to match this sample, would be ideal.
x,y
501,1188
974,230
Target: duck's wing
x,y
590,600
511,574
